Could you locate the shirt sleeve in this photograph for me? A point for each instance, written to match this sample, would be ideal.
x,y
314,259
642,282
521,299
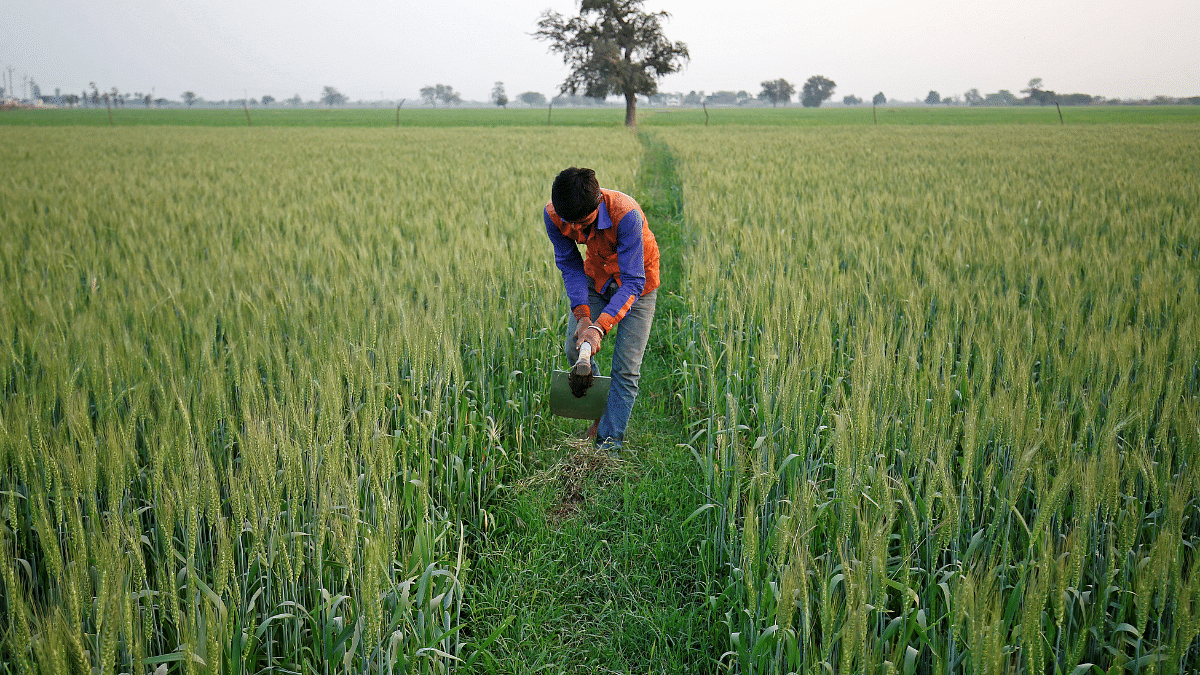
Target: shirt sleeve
x,y
632,260
570,263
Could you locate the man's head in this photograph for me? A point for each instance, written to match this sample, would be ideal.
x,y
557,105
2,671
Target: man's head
x,y
575,194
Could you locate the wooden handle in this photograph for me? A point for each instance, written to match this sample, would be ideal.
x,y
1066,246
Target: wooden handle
x,y
583,364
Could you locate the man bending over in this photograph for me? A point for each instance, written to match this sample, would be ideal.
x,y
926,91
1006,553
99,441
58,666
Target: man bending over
x,y
613,288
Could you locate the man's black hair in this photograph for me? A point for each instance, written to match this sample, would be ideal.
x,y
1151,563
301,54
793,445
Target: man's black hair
x,y
575,193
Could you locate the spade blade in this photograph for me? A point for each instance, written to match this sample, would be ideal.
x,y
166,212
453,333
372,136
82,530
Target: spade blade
x,y
564,404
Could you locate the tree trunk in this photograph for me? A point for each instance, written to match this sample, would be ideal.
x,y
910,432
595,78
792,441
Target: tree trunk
x,y
630,110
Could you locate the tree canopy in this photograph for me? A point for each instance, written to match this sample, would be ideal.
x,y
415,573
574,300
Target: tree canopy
x,y
933,98
332,97
816,89
532,98
722,98
776,91
440,92
613,47
1002,97
498,95
879,99
1037,93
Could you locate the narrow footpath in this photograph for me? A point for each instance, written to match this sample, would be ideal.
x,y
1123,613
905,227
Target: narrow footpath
x,y
589,569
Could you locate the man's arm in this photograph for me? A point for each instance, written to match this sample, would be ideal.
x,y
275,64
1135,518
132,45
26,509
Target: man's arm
x,y
570,263
632,260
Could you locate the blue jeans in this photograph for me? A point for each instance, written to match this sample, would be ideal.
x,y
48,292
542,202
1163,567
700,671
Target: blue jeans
x,y
628,339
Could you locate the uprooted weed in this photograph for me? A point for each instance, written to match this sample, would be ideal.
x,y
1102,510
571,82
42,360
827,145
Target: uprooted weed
x,y
582,467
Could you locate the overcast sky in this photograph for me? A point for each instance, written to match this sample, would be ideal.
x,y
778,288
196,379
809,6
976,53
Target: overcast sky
x,y
368,49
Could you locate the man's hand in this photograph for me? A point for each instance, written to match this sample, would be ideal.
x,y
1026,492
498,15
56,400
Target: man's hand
x,y
583,319
593,334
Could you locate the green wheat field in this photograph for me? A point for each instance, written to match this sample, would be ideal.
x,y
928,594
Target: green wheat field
x,y
264,390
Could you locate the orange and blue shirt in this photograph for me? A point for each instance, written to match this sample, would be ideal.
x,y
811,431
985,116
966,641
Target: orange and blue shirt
x,y
621,250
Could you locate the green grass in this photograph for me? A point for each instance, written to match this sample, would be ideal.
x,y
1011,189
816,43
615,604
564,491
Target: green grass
x,y
923,115
602,117
341,117
589,570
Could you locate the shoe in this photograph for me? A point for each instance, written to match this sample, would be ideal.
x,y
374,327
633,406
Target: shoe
x,y
608,446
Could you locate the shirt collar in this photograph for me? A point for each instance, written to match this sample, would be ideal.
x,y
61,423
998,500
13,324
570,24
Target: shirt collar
x,y
603,221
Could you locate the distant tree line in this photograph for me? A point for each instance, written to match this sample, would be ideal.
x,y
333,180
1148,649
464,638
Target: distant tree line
x,y
813,93
1037,94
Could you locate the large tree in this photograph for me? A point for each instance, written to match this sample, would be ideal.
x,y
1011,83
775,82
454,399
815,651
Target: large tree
x,y
816,89
498,95
1037,94
331,97
532,98
776,91
1002,97
440,92
613,47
